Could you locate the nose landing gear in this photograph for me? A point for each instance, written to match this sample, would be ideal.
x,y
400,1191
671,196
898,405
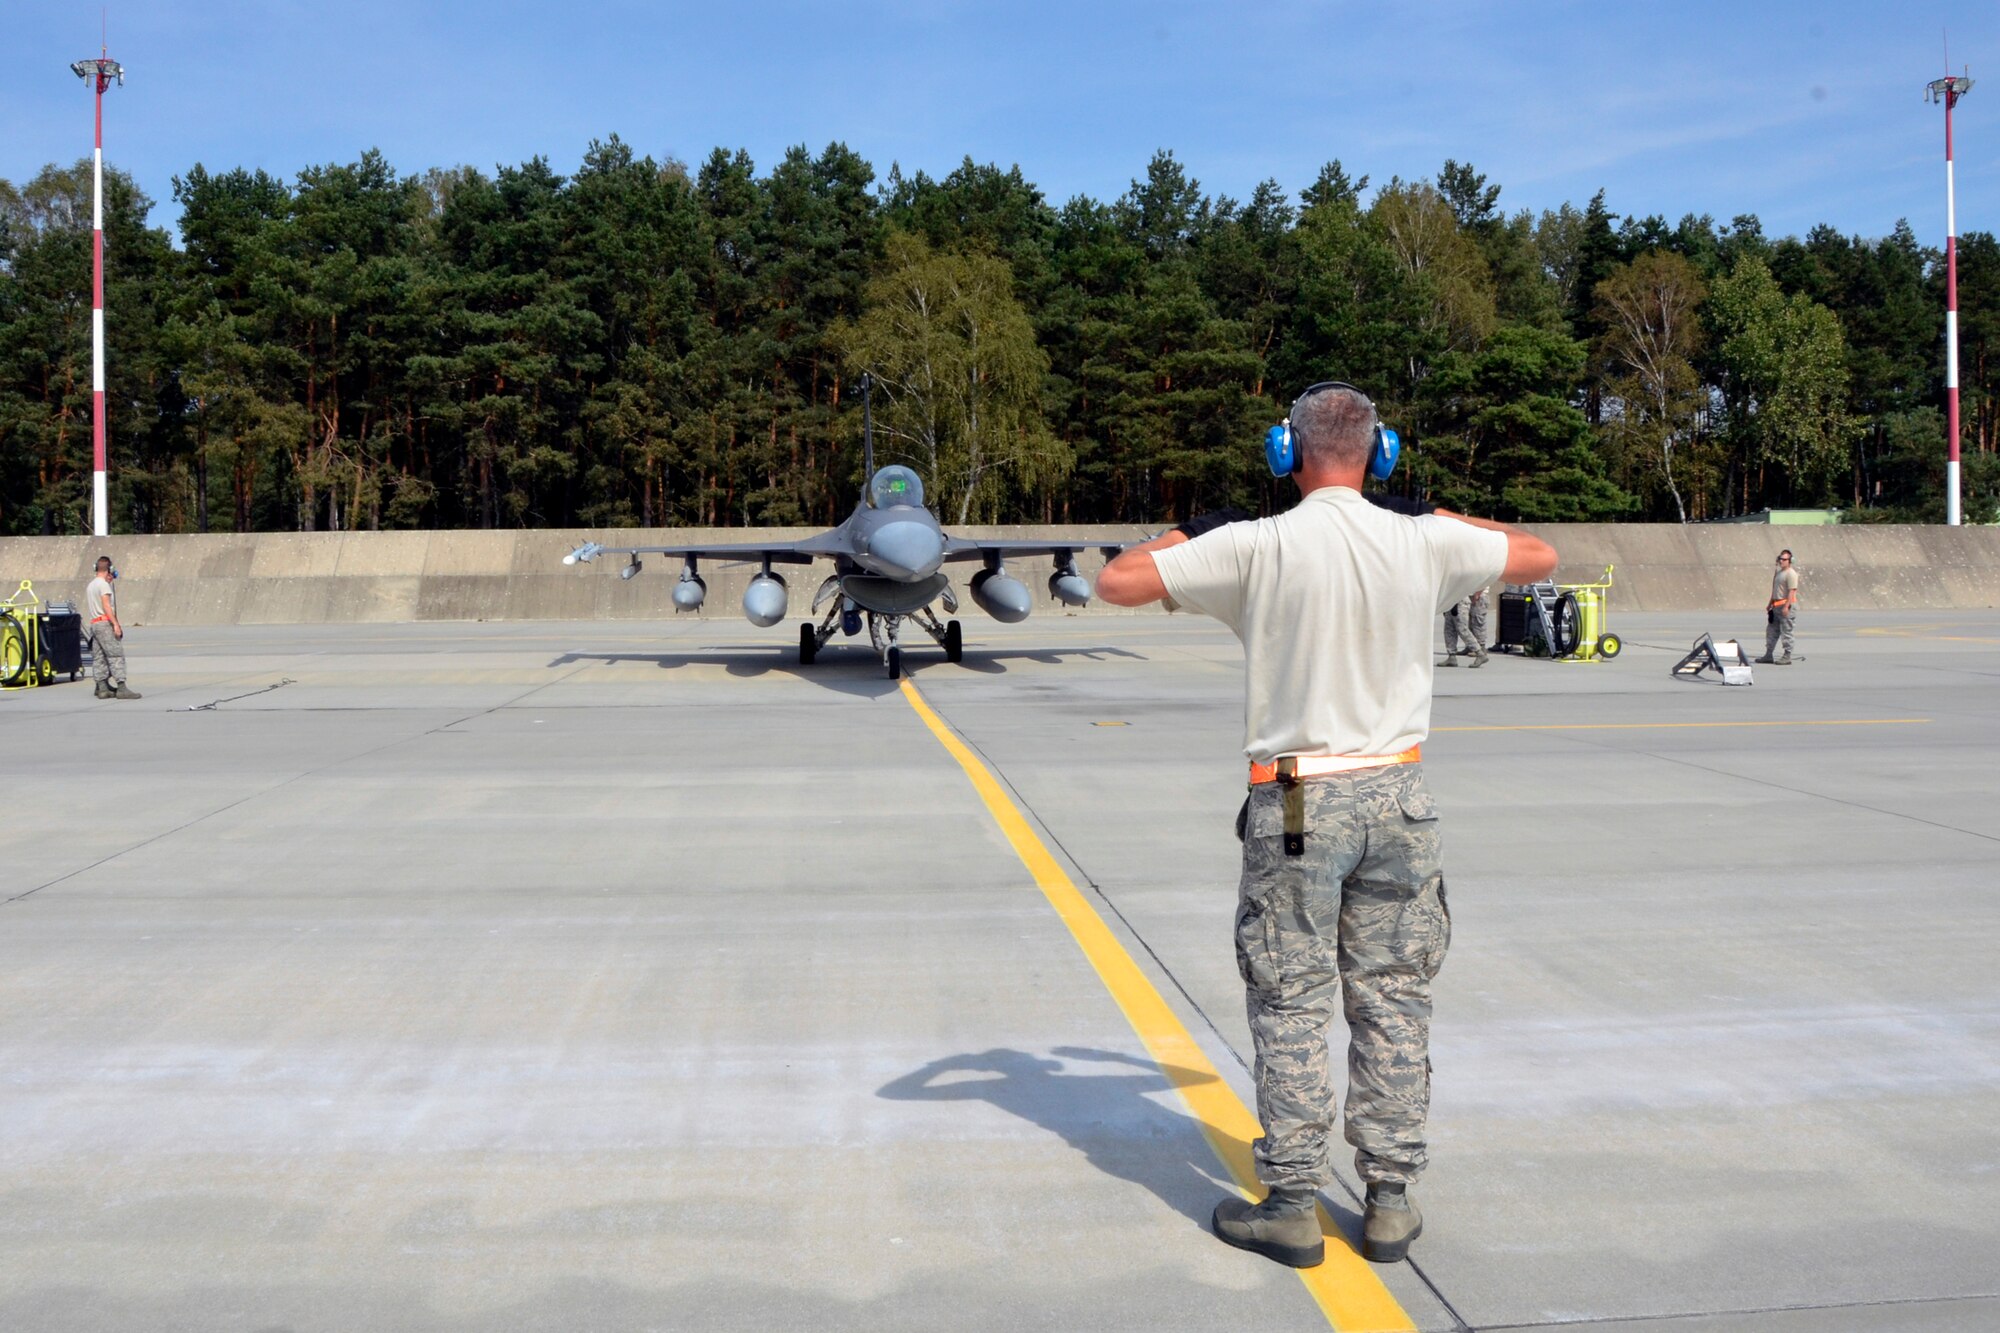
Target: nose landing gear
x,y
883,631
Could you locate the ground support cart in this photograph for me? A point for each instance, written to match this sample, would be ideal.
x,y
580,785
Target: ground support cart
x,y
1565,621
24,657
62,638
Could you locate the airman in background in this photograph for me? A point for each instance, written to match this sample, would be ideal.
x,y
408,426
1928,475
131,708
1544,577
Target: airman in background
x,y
106,634
1783,610
1465,624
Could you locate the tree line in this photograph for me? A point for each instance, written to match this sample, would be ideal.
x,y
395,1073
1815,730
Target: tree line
x,y
643,343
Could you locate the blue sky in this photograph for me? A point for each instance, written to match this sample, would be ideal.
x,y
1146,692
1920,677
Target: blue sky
x,y
1797,112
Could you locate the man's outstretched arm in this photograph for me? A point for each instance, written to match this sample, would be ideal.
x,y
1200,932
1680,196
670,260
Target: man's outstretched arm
x,y
1529,558
1132,578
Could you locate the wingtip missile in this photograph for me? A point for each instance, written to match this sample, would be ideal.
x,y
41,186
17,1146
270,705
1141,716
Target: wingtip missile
x,y
583,554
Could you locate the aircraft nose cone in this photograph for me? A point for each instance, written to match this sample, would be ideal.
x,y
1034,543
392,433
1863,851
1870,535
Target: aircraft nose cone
x,y
907,550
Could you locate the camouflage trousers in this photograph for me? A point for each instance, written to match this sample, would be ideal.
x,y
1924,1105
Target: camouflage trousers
x,y
107,654
1778,627
1465,624
1360,918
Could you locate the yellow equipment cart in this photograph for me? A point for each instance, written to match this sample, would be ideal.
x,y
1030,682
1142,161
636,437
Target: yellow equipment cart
x,y
1565,621
24,662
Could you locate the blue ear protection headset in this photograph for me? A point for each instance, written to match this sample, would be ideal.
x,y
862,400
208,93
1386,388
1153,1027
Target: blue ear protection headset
x,y
1281,448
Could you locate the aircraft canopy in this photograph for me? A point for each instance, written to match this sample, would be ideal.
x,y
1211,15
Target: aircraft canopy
x,y
894,486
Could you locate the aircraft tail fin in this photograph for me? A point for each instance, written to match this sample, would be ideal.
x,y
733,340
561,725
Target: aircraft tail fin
x,y
867,431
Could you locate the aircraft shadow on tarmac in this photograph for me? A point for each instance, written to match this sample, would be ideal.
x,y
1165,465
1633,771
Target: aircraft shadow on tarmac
x,y
856,671
1110,1118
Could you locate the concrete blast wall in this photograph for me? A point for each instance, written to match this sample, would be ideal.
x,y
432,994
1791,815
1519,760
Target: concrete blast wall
x,y
352,577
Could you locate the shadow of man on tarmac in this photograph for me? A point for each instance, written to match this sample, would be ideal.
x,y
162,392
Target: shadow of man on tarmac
x,y
1112,1119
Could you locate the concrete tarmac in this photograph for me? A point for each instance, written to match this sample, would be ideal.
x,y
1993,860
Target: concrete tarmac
x,y
615,976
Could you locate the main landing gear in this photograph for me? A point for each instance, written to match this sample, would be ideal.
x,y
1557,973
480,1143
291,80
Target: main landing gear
x,y
948,635
884,632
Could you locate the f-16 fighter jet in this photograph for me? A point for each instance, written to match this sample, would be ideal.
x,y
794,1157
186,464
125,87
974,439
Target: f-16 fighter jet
x,y
887,569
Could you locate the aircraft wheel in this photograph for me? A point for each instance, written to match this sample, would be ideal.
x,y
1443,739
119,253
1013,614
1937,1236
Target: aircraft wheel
x,y
808,645
954,642
895,663
1609,645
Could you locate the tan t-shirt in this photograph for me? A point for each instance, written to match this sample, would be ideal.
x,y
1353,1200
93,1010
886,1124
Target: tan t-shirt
x,y
1335,602
1783,584
96,597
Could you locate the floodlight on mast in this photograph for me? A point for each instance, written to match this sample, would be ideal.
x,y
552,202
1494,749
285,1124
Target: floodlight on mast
x,y
101,72
1948,90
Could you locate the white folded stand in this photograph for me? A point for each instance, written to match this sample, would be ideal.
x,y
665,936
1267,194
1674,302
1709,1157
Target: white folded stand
x,y
1727,659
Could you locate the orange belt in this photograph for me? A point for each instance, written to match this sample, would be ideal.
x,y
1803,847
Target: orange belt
x,y
101,620
1315,766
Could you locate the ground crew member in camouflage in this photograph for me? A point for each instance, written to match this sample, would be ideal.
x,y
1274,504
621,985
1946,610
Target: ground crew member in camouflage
x,y
1468,614
1782,610
1342,891
1371,885
106,634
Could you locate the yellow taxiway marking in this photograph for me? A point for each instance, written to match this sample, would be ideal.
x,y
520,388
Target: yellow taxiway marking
x,y
1668,726
1348,1292
1921,632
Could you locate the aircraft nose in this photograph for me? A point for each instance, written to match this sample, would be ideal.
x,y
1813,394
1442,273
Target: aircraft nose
x,y
907,550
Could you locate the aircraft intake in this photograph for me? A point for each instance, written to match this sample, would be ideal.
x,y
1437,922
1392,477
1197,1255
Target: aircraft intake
x,y
765,600
690,592
1001,596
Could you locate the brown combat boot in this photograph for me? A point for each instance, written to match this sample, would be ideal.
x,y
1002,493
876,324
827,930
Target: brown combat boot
x,y
104,689
126,692
1284,1227
1479,657
1390,1223
1450,659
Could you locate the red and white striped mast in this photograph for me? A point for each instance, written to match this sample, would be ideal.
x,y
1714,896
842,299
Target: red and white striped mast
x,y
1948,90
103,70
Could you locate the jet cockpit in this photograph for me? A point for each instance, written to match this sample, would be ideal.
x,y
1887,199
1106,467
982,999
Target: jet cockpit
x,y
894,487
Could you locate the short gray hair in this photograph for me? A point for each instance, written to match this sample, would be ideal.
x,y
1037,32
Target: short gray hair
x,y
1334,427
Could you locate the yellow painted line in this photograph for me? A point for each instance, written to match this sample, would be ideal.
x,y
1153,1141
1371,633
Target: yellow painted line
x,y
1346,1287
1927,638
1670,726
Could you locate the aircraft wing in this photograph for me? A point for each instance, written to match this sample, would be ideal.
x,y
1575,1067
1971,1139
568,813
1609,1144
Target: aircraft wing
x,y
823,547
971,548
